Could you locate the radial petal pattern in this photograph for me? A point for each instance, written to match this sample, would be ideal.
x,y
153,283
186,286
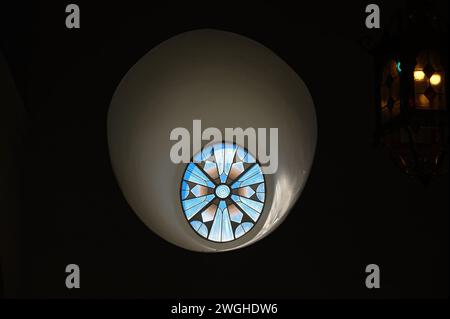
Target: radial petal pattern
x,y
223,192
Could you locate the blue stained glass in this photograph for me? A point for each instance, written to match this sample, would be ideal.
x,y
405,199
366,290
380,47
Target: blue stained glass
x,y
216,228
197,190
247,191
210,166
247,226
194,201
241,152
222,204
209,213
239,231
242,229
239,167
249,159
222,191
223,177
185,186
249,211
260,188
204,155
235,198
219,153
245,156
250,177
261,196
220,167
195,179
200,228
253,204
203,230
230,150
195,209
257,178
237,217
184,193
195,175
196,224
227,231
254,170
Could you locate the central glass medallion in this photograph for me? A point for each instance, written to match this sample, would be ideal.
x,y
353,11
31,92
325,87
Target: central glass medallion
x,y
223,192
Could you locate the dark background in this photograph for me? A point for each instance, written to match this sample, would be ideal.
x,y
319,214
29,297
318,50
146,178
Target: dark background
x,y
357,207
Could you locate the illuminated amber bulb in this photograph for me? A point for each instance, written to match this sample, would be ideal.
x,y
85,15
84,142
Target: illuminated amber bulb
x,y
435,79
419,75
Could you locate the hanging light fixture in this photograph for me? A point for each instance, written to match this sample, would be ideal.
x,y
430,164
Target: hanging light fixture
x,y
411,66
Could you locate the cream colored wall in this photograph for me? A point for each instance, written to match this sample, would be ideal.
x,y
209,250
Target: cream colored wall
x,y
225,80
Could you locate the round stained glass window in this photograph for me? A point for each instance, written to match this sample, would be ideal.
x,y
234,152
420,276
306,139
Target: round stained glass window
x,y
223,192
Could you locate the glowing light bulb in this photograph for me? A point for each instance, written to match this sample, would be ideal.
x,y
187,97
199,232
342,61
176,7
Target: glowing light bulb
x,y
419,75
435,79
